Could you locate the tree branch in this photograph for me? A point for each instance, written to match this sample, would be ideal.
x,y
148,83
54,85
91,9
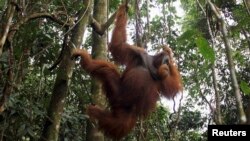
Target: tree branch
x,y
53,17
101,28
247,4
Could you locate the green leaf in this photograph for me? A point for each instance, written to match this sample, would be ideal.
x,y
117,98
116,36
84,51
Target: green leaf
x,y
244,87
187,35
204,48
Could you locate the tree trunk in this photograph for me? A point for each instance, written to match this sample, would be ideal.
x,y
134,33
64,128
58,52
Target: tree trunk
x,y
217,112
60,90
98,52
235,85
138,25
6,24
7,90
248,112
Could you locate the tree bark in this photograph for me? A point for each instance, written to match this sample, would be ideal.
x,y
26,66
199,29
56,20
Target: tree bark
x,y
248,112
6,24
7,90
138,25
60,90
98,52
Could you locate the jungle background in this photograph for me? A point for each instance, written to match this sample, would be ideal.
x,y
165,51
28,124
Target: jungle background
x,y
44,93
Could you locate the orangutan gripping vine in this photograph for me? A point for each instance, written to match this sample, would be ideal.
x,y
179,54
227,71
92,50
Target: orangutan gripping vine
x,y
134,93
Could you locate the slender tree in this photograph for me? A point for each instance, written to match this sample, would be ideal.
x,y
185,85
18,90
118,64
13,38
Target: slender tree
x,y
99,48
64,73
235,85
217,114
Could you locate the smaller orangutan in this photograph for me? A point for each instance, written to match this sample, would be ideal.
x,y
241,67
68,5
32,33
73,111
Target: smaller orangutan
x,y
133,93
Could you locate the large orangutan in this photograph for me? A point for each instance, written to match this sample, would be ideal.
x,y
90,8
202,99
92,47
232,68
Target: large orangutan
x,y
134,93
